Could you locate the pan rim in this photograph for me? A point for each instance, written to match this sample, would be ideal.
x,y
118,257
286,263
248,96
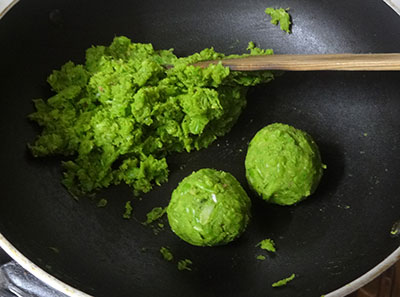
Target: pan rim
x,y
68,290
38,272
368,276
7,5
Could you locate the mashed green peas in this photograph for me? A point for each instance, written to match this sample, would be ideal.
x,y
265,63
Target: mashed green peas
x,y
208,208
283,164
116,117
280,16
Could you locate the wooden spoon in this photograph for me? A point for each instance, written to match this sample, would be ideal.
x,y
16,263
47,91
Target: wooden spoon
x,y
347,62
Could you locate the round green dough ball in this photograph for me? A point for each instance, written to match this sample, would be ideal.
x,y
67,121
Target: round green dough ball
x,y
283,164
209,207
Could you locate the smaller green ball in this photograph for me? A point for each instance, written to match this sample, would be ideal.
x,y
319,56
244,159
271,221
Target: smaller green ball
x,y
208,208
283,164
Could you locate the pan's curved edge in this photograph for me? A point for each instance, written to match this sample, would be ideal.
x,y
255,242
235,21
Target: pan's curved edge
x,y
394,4
70,291
367,277
37,271
5,6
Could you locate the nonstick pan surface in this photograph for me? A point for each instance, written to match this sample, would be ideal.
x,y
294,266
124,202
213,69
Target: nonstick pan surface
x,y
335,236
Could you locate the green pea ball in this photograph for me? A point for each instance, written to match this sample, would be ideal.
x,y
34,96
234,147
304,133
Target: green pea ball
x,y
283,164
208,208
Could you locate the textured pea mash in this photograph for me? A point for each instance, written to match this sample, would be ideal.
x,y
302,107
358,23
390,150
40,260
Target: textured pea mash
x,y
209,208
283,164
118,115
280,16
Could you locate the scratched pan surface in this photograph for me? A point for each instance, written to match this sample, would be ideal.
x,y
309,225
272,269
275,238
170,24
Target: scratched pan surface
x,y
335,236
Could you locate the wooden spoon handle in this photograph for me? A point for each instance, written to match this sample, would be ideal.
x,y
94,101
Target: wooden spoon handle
x,y
348,62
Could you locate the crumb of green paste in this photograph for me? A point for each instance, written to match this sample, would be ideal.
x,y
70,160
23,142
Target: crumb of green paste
x,y
155,214
128,210
261,257
102,203
283,282
267,244
166,253
395,231
185,265
280,16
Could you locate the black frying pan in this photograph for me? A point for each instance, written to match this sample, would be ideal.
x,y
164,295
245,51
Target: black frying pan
x,y
330,239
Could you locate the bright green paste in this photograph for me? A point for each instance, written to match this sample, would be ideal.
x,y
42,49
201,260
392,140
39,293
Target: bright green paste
x,y
268,245
280,16
283,164
261,257
208,208
119,114
283,282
